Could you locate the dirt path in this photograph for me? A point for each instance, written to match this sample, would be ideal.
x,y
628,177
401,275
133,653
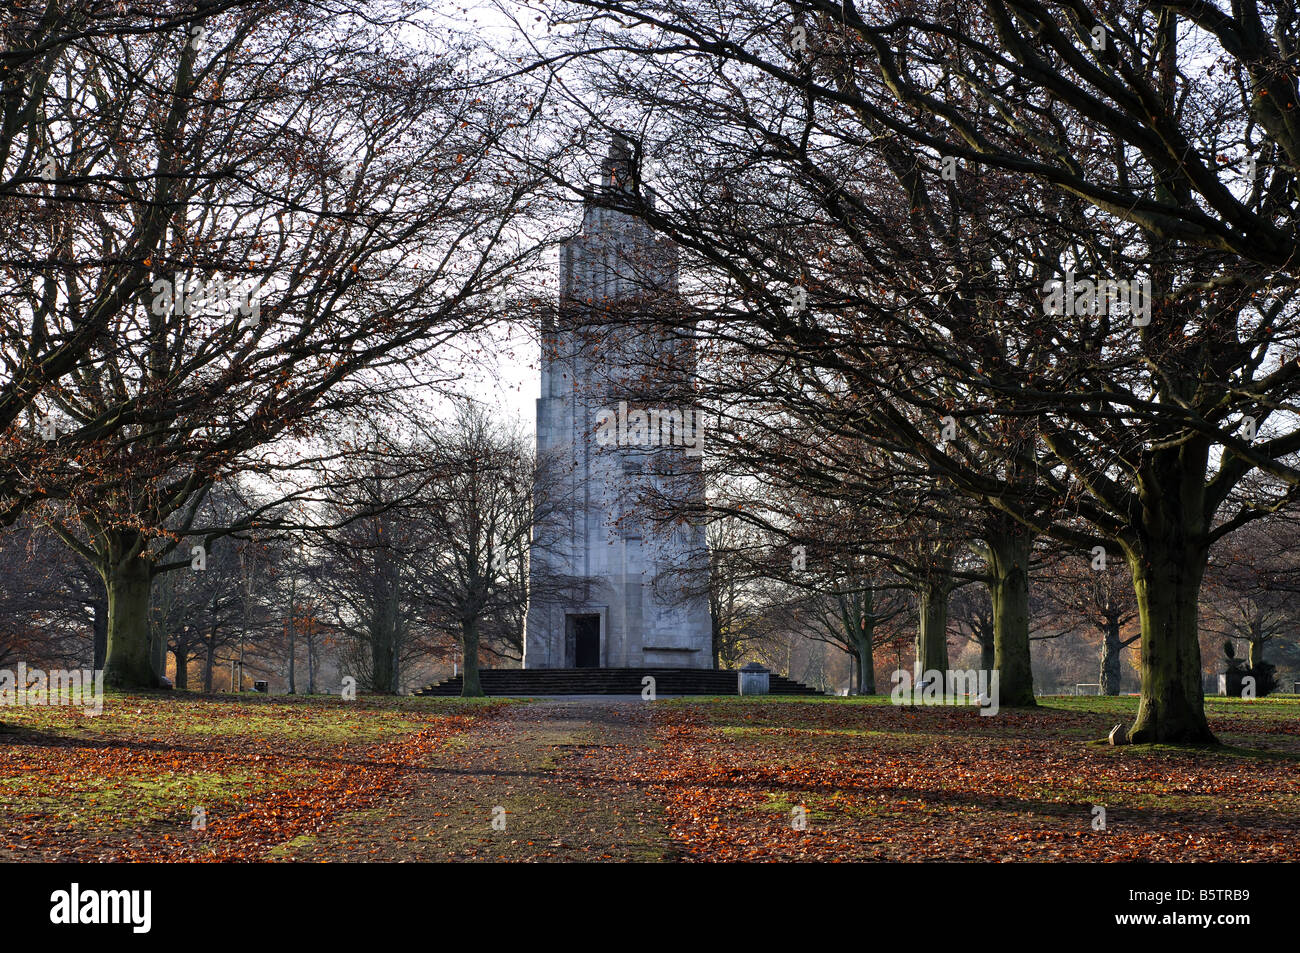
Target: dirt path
x,y
558,768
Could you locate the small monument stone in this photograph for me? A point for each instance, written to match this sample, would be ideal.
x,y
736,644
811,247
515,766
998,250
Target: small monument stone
x,y
753,679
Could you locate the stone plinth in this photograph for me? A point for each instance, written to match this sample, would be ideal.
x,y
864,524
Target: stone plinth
x,y
753,679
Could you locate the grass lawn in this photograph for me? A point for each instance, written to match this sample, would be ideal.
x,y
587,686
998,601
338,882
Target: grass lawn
x,y
695,779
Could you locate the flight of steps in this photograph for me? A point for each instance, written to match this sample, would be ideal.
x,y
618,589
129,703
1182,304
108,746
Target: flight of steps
x,y
520,682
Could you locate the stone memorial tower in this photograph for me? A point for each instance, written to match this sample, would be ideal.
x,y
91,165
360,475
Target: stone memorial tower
x,y
618,566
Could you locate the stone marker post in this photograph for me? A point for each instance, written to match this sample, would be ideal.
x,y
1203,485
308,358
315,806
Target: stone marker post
x,y
753,679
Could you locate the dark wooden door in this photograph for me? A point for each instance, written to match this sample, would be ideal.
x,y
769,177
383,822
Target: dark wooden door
x,y
586,641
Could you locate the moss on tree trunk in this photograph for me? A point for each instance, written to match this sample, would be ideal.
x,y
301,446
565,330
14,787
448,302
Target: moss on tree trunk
x,y
932,650
1009,590
129,663
1167,581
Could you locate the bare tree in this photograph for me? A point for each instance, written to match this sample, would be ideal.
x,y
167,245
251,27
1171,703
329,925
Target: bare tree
x,y
52,604
484,497
740,590
287,284
862,612
919,207
372,556
1254,588
66,115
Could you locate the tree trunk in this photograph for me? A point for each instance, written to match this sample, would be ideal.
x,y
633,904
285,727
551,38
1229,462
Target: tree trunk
x,y
988,653
293,631
1255,653
857,616
209,662
385,641
158,651
470,687
293,685
382,650
311,664
1111,649
181,652
866,664
932,648
129,660
1167,579
100,630
1009,589
395,671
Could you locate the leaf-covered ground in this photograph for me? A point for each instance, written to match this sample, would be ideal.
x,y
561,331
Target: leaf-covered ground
x,y
319,779
870,781
126,784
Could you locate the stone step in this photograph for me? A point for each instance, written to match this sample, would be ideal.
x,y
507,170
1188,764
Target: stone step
x,y
609,681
